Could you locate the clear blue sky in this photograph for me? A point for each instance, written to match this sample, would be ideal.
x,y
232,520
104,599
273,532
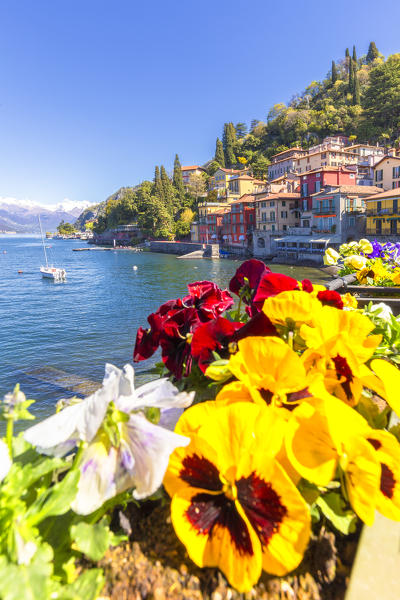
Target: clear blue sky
x,y
94,93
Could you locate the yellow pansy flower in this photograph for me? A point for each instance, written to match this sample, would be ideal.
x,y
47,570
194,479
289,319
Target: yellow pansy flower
x,y
326,434
331,256
272,372
233,506
388,454
292,309
349,301
365,246
356,261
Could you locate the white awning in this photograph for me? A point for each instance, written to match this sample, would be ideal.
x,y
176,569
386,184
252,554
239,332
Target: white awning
x,y
225,237
241,237
214,235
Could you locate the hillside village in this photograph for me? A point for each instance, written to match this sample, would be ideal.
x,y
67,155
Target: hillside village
x,y
323,169
331,193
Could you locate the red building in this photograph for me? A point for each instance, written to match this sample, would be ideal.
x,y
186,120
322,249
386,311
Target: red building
x,y
239,222
211,230
315,181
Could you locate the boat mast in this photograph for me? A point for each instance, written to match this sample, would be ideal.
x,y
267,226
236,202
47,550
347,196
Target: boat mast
x,y
44,247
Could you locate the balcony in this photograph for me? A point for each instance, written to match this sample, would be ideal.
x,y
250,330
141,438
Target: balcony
x,y
373,212
324,210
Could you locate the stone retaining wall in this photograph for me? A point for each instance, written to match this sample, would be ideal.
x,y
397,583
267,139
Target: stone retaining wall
x,y
180,248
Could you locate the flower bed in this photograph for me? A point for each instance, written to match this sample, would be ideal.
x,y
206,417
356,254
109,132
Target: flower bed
x,y
268,427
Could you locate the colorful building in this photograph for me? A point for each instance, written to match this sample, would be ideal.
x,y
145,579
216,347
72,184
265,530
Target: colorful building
x,y
340,210
277,212
220,180
205,210
188,171
383,214
315,181
284,162
387,173
238,222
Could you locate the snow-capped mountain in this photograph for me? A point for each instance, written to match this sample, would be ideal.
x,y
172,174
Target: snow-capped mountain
x,y
22,215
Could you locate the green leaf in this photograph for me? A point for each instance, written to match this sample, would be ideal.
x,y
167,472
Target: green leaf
x,y
87,587
56,500
94,540
27,582
332,507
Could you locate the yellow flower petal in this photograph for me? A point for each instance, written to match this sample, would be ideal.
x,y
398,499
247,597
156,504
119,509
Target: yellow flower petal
x,y
362,475
292,308
390,378
387,451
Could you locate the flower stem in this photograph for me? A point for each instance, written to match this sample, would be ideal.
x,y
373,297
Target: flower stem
x,y
9,435
78,456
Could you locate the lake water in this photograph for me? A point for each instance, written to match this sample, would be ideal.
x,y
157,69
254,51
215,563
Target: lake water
x,y
91,319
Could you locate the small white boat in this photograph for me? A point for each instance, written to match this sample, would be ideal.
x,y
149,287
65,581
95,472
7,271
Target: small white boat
x,y
50,272
53,273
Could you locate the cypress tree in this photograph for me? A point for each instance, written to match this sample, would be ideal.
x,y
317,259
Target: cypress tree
x,y
351,76
158,189
372,52
177,178
354,56
168,190
219,153
356,91
334,72
347,53
230,139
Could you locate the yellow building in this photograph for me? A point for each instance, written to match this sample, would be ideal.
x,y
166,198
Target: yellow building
x,y
383,213
324,158
387,173
220,180
241,185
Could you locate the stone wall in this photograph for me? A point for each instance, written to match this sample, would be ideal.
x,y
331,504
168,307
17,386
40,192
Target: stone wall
x,y
180,248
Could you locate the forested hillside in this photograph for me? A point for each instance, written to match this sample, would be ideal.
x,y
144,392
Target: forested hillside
x,y
359,98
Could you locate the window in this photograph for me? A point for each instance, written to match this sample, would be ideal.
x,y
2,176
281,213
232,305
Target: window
x,y
264,227
379,175
283,214
317,186
395,209
272,216
264,217
378,226
273,228
304,189
393,226
272,203
263,204
396,172
378,206
250,218
283,203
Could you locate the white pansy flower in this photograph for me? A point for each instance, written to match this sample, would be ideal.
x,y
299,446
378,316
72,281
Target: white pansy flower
x,y
382,310
135,454
5,460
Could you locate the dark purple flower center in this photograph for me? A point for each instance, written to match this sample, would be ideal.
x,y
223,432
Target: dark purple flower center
x,y
387,481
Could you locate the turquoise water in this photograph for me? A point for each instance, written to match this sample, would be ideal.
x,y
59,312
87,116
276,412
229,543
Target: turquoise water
x,y
91,319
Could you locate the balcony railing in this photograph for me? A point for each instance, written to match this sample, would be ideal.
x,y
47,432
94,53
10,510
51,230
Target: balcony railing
x,y
373,212
324,210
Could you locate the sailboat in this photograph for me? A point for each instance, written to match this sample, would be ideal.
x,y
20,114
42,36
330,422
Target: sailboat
x,y
50,272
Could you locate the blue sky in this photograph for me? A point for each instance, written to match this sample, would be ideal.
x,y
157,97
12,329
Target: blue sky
x,y
94,93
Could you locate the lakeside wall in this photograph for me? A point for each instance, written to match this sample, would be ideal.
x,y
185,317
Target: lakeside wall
x,y
180,248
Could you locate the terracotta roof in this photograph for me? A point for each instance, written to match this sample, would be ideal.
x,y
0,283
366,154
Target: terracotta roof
x,y
386,158
367,190
341,151
230,170
388,194
280,195
244,198
364,146
341,168
192,168
288,150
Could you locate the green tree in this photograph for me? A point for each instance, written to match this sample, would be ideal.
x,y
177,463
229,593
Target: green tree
x,y
65,228
334,76
382,97
241,130
197,185
182,225
178,179
213,167
356,91
372,52
260,167
158,188
351,76
168,191
156,219
355,56
228,143
219,153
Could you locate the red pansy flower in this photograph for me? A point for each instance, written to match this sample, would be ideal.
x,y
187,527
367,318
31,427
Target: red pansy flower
x,y
208,299
330,298
175,340
215,335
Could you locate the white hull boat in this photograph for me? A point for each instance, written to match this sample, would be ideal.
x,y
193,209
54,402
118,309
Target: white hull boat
x,y
50,272
53,273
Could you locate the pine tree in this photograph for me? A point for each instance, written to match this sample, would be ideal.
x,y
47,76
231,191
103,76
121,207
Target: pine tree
x,y
168,190
355,56
334,73
177,178
158,189
219,153
356,91
372,52
241,130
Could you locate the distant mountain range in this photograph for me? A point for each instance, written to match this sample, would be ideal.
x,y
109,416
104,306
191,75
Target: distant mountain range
x,y
22,215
